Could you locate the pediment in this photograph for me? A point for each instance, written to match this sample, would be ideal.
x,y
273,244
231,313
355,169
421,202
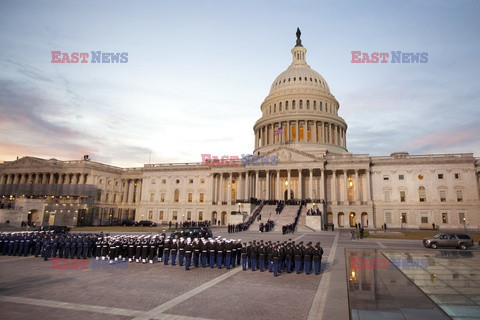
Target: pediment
x,y
286,154
30,162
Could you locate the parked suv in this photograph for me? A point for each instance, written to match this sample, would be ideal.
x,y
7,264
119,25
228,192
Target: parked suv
x,y
457,240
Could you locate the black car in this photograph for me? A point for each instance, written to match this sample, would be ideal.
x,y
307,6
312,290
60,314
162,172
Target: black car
x,y
145,223
198,232
447,239
128,222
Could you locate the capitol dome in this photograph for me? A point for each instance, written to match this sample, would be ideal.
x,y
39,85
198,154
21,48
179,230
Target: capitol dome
x,y
300,112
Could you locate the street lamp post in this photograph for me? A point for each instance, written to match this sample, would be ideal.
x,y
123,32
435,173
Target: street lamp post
x,y
465,224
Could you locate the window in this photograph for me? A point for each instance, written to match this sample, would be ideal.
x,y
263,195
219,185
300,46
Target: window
x,y
115,196
189,215
386,178
176,195
444,217
107,197
150,214
153,181
461,218
164,181
402,196
190,181
404,217
202,181
190,195
152,196
200,215
160,215
201,197
387,195
422,194
101,181
177,181
440,176
459,195
457,175
162,197
174,215
388,217
443,195
401,177
424,219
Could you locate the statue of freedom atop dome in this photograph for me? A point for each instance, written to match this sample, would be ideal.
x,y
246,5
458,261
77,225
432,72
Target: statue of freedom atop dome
x,y
299,41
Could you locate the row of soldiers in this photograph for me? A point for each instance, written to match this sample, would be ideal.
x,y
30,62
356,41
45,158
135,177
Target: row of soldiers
x,y
278,257
218,252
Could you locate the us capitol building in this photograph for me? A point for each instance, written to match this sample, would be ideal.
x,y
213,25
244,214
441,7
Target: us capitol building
x,y
300,124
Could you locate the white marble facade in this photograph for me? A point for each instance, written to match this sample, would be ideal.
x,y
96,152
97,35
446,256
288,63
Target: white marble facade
x,y
301,129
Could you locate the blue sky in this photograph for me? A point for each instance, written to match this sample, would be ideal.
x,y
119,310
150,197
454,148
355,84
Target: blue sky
x,y
198,72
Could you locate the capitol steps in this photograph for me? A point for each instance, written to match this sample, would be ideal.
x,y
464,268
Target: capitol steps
x,y
268,211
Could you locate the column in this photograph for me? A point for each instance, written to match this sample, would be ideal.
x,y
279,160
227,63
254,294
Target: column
x,y
247,186
278,196
310,182
321,191
213,188
300,193
130,191
222,189
367,175
138,194
314,132
239,187
334,188
257,185
289,185
230,186
272,134
356,187
345,183
297,133
322,138
268,185
305,130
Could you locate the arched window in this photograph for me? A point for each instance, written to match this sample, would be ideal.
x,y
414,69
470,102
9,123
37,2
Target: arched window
x,y
286,105
176,195
300,104
280,107
314,104
308,104
274,107
422,194
293,105
320,109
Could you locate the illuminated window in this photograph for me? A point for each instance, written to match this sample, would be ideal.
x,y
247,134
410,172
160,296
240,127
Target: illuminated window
x,y
200,215
174,215
444,217
201,197
176,195
160,215
461,218
301,133
294,132
190,196
150,214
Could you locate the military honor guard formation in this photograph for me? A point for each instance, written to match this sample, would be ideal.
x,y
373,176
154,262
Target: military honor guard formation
x,y
180,249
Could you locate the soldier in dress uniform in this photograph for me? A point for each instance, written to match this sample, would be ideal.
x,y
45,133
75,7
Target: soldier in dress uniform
x,y
161,244
203,252
166,251
307,258
188,254
275,260
261,256
298,256
145,246
61,246
220,249
153,249
196,252
47,246
253,255
288,258
228,254
317,258
181,251
38,245
211,251
173,251
244,256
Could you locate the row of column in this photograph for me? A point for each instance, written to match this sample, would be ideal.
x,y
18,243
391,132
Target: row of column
x,y
247,185
320,132
46,178
132,191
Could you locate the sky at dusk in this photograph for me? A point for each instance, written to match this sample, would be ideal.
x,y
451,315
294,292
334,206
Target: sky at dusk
x,y
198,71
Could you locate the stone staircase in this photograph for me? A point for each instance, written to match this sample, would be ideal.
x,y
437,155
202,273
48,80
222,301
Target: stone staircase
x,y
266,211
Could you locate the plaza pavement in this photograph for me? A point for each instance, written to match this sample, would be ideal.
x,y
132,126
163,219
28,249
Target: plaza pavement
x,y
31,289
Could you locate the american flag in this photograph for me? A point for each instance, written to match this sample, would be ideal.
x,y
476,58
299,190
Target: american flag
x,y
279,131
